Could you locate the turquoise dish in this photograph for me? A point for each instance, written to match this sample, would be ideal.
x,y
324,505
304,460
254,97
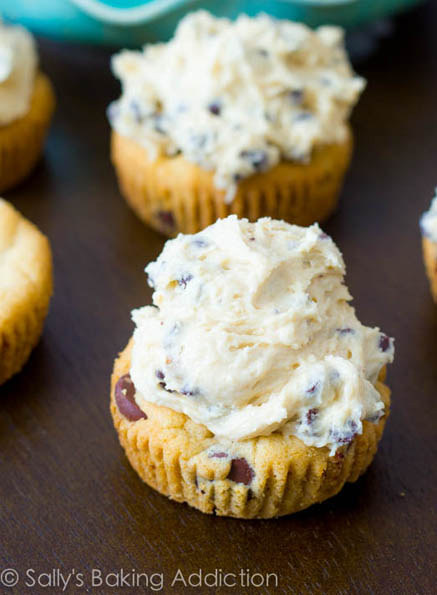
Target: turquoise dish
x,y
134,22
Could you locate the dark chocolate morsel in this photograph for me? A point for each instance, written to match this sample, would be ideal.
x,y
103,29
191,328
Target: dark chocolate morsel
x,y
303,116
159,374
312,390
184,280
311,415
256,157
166,219
218,455
241,472
215,108
345,331
164,387
296,95
384,342
200,243
125,399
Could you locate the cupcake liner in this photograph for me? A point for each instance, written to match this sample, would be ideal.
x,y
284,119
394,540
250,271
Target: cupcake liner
x,y
26,269
21,141
430,259
19,338
262,477
172,195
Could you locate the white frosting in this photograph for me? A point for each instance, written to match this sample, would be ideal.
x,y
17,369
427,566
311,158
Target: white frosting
x,y
252,332
428,221
237,97
18,64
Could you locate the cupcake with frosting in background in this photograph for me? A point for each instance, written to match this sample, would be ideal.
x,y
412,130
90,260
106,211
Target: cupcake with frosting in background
x,y
250,388
26,105
428,226
247,117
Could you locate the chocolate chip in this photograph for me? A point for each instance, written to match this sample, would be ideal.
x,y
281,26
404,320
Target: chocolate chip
x,y
218,455
311,415
184,280
164,387
296,96
303,116
199,243
136,110
256,157
166,219
339,456
345,331
375,417
159,374
215,108
346,435
384,343
313,389
189,392
241,472
125,399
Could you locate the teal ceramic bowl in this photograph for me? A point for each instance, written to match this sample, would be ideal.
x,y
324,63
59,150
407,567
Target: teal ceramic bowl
x,y
134,22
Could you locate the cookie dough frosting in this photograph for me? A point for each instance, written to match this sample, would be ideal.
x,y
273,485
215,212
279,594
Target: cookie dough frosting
x,y
18,64
251,332
428,221
236,97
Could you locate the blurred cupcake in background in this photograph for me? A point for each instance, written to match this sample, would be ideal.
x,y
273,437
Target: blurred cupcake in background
x,y
247,117
428,225
26,105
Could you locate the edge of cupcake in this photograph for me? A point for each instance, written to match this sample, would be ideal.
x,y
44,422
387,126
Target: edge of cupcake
x,y
184,160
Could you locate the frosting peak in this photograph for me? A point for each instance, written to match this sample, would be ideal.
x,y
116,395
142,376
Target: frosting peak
x,y
237,97
251,332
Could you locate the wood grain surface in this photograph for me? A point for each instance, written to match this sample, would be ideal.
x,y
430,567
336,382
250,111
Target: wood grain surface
x,y
68,497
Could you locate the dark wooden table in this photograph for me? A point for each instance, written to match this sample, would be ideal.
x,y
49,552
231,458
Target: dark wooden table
x,y
68,497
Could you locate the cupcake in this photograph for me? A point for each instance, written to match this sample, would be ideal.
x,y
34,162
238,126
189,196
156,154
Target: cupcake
x,y
26,105
25,288
249,388
247,117
428,225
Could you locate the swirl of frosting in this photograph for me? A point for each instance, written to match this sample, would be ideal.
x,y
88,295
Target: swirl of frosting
x,y
237,97
252,332
18,64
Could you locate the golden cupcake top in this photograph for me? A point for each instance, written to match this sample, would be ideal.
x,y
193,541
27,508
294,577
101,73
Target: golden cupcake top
x,y
237,97
18,65
25,261
251,332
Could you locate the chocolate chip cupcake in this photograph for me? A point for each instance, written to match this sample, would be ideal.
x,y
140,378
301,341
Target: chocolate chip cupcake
x,y
26,105
249,388
25,288
247,117
428,226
